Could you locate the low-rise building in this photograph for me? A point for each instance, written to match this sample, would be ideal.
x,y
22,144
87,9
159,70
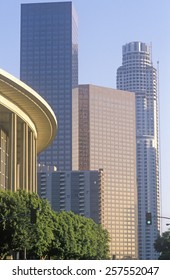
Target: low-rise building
x,y
27,126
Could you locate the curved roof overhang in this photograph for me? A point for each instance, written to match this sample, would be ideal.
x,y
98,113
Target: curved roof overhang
x,y
33,105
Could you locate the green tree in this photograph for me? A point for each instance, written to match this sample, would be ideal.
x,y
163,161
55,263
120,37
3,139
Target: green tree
x,y
62,235
162,245
77,237
16,230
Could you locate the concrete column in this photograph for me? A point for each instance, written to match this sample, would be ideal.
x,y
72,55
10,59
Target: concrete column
x,y
22,171
18,176
30,156
24,165
26,157
35,165
13,153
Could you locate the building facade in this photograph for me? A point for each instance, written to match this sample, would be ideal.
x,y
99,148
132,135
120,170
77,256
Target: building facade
x,y
137,74
49,64
76,191
27,126
104,137
44,180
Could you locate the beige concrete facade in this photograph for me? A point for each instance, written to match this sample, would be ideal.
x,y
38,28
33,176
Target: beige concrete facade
x,y
27,126
104,137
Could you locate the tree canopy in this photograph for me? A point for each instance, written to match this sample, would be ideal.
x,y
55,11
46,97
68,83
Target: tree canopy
x,y
77,237
62,235
162,245
16,230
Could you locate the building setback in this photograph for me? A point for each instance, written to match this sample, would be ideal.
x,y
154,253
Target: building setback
x,y
104,137
49,64
137,74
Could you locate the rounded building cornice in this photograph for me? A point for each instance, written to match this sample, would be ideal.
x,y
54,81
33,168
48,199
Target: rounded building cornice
x,y
32,105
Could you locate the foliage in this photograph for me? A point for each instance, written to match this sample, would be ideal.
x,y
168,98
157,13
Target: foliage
x,y
77,237
62,235
162,245
16,230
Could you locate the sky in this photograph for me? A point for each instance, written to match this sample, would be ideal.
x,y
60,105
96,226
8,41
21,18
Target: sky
x,y
104,26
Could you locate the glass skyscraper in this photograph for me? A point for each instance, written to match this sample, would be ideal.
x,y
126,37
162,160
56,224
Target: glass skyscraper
x,y
49,64
138,75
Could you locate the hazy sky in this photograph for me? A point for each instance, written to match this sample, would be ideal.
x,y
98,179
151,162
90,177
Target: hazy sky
x,y
104,26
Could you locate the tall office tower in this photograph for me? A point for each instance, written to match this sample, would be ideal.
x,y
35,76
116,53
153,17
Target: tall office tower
x,y
49,64
104,136
137,74
76,191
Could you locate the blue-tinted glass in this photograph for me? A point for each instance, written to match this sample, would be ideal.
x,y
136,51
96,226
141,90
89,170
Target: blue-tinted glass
x,y
49,64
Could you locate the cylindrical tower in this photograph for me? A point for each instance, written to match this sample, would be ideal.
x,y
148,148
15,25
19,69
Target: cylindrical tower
x,y
137,74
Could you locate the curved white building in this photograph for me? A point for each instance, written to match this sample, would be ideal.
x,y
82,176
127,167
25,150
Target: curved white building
x,y
27,126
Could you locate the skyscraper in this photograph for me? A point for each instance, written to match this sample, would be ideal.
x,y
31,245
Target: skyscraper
x,y
49,64
138,75
104,137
